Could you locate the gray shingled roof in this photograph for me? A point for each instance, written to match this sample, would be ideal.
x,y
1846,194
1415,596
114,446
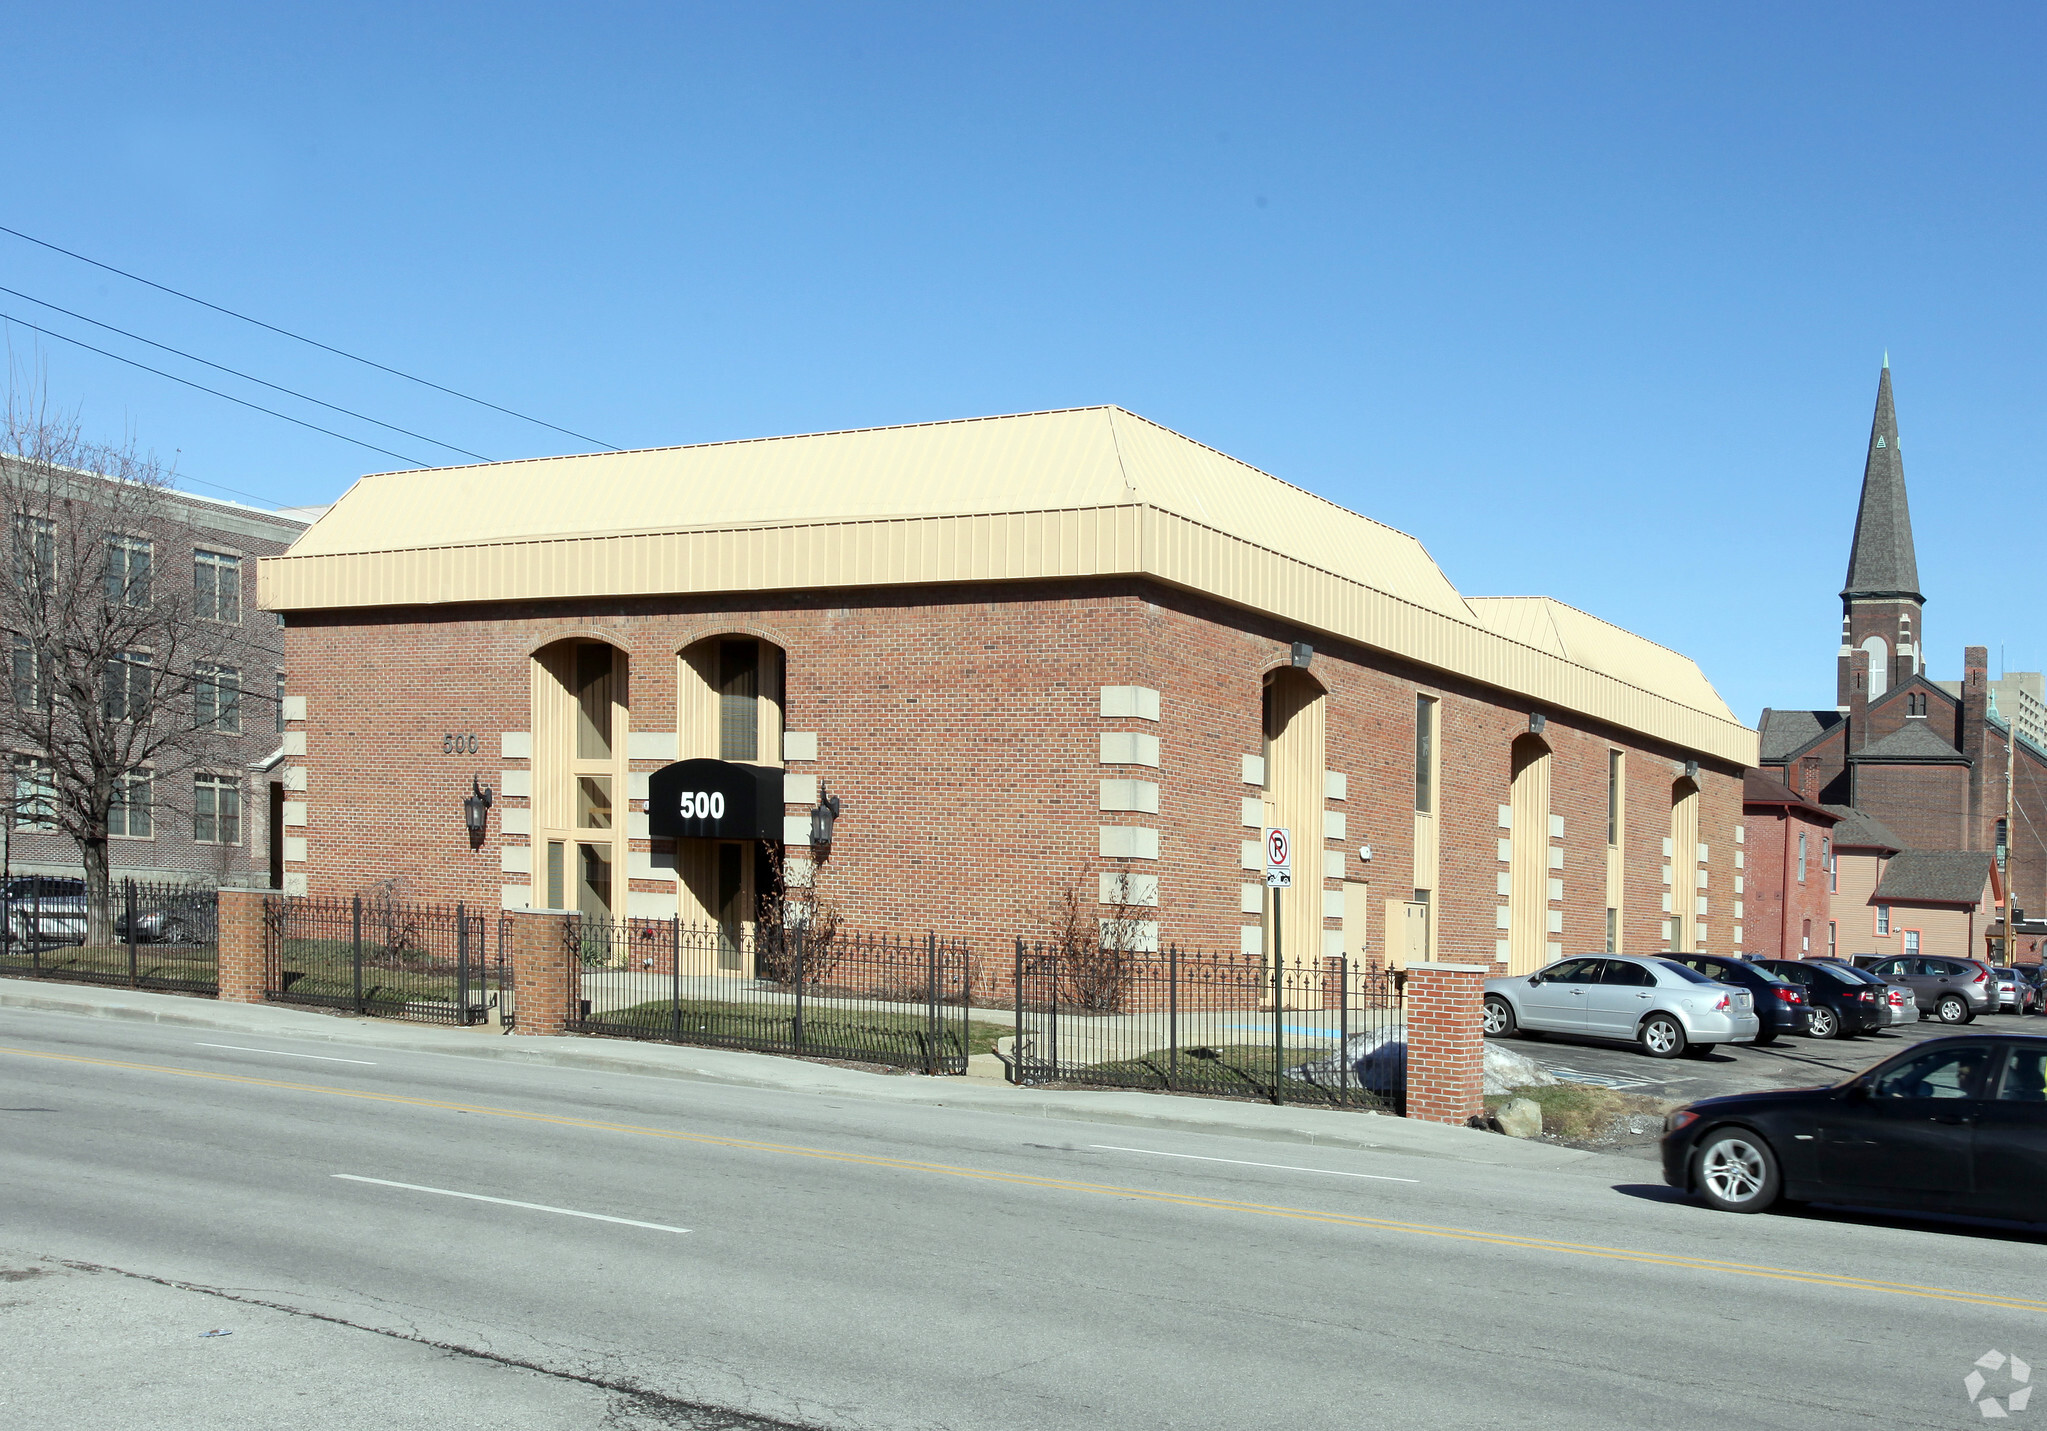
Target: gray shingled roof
x,y
1861,831
1935,876
1784,732
1881,561
1914,740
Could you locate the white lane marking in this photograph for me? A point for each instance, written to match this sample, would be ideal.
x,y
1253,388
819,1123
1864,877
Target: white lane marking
x,y
280,1053
512,1202
1242,1163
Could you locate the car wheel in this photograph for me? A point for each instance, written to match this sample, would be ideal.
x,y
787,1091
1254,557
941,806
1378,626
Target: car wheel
x,y
1952,1009
174,932
1662,1036
1765,1036
1735,1171
1499,1017
1824,1023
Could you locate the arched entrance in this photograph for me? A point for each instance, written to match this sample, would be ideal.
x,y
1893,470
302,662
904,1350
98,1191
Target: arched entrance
x,y
579,776
1682,926
1296,754
729,709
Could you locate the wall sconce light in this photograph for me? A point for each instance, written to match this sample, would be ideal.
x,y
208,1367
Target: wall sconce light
x,y
1536,721
476,812
823,818
1691,770
1303,654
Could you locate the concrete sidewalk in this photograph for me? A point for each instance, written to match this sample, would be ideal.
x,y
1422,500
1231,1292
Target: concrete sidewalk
x,y
1316,1126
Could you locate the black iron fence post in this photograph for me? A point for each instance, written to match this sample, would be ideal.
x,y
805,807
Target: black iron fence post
x,y
128,896
356,964
35,937
675,978
1343,1026
1016,1044
802,953
461,965
1172,1015
931,1000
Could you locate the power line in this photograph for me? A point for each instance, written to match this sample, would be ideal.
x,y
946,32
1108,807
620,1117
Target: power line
x,y
244,402
301,338
246,377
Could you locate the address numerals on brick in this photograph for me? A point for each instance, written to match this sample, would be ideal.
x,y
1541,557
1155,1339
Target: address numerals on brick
x,y
457,744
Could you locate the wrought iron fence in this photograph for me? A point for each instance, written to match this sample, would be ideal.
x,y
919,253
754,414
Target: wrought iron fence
x,y
385,958
1327,1030
862,998
149,936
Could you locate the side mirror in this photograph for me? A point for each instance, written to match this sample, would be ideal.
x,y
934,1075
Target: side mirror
x,y
1856,1092
1534,981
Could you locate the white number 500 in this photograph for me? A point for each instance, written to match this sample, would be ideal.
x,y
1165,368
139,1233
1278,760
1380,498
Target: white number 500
x,y
703,804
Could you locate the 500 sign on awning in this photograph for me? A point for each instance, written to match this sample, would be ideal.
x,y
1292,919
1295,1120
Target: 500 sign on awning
x,y
702,804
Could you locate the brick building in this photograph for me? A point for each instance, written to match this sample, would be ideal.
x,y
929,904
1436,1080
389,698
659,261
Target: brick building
x,y
209,813
1786,896
1065,650
1934,762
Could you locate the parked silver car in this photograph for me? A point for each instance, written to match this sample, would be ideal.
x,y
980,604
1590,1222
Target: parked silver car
x,y
1952,990
1658,1004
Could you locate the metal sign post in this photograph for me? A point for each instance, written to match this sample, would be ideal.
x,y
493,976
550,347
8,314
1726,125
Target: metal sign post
x,y
1279,875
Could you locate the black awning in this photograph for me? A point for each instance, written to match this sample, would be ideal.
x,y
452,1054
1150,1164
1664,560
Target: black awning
x,y
715,800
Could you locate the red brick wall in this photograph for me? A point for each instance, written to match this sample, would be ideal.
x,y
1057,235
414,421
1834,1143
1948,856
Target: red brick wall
x,y
1925,806
244,963
1771,882
960,726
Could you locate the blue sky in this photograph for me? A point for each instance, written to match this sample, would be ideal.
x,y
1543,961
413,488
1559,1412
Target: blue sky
x,y
1591,299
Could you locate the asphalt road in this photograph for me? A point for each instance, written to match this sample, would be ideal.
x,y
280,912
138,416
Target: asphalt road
x,y
1743,1068
831,1261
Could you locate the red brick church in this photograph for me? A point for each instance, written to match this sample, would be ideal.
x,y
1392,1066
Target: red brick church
x,y
1930,760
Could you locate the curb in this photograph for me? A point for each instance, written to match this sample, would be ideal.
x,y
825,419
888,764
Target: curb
x,y
1315,1127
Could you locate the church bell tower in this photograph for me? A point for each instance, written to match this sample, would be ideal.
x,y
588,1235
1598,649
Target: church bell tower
x,y
1881,606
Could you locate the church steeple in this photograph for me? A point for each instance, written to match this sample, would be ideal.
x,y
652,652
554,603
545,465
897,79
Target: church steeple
x,y
1881,605
1881,563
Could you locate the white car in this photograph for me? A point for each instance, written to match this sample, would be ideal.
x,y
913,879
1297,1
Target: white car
x,y
1657,1004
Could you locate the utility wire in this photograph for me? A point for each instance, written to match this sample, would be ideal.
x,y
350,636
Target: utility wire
x,y
246,377
244,402
300,337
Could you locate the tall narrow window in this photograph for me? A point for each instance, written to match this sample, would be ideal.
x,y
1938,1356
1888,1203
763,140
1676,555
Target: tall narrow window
x,y
1912,941
1805,938
216,810
1801,857
131,814
1425,755
1613,799
35,794
30,691
1613,931
128,563
279,703
739,669
1833,939
1883,919
554,875
217,697
216,586
593,702
1827,863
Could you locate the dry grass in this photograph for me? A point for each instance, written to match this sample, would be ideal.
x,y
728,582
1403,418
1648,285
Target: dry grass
x,y
1588,1115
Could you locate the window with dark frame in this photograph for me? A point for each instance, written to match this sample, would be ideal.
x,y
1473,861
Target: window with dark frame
x,y
35,794
35,552
126,694
132,815
217,698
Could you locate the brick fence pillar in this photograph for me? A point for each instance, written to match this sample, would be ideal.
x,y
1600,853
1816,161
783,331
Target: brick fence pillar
x,y
1445,1041
538,947
244,951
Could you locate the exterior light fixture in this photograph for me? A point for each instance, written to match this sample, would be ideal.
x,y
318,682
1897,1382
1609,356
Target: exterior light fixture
x,y
1536,721
476,812
823,818
1691,770
1303,654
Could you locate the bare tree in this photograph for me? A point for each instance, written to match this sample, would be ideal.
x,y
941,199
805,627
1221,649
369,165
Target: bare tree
x,y
117,679
1098,940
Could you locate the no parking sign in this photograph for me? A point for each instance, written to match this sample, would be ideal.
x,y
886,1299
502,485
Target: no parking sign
x,y
1279,858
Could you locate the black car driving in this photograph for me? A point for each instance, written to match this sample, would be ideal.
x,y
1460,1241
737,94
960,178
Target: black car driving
x,y
1780,1004
1841,1005
1954,1125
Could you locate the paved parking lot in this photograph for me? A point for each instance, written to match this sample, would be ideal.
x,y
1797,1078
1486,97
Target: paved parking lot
x,y
1740,1068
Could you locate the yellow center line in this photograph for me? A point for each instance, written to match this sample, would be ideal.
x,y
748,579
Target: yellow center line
x,y
1073,1185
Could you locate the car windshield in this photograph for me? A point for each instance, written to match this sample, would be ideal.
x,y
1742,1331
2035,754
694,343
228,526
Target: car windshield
x,y
1690,975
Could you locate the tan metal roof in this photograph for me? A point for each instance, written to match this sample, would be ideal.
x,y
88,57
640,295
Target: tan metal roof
x,y
1087,491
